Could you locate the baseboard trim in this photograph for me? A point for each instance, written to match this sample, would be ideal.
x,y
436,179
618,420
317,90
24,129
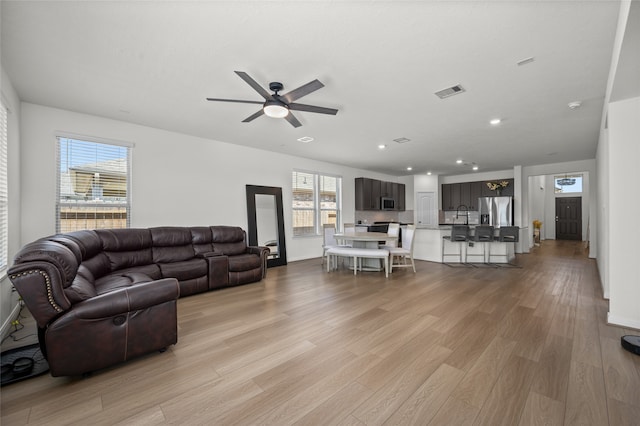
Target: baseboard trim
x,y
6,325
624,322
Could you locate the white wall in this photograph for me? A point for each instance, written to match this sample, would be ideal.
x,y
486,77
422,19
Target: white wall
x,y
9,299
177,179
602,162
624,205
537,205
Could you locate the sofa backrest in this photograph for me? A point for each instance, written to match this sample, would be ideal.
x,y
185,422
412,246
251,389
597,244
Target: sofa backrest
x,y
229,240
171,244
126,248
202,239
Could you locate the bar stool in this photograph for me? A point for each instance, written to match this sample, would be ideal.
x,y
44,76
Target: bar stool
x,y
484,235
508,234
459,235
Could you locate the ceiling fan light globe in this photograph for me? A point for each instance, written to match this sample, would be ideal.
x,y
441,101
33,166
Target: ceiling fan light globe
x,y
275,110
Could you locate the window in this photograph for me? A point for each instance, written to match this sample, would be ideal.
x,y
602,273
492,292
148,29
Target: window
x,y
568,184
4,193
93,185
316,201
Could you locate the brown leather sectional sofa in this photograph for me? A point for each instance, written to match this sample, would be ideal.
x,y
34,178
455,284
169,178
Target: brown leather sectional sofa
x,y
105,296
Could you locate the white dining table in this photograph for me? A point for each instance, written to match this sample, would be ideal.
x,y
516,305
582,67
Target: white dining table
x,y
366,240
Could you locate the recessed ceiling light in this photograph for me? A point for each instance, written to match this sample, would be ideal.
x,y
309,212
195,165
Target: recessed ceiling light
x,y
474,168
495,121
382,146
409,168
305,139
575,105
428,173
458,161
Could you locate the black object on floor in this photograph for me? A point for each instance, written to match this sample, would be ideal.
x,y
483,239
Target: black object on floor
x,y
22,363
631,343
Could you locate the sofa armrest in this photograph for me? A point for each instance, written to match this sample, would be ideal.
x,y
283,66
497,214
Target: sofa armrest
x,y
258,250
41,288
218,269
128,299
208,254
263,252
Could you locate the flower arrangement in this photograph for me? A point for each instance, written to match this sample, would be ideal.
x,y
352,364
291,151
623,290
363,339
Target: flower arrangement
x,y
537,224
495,186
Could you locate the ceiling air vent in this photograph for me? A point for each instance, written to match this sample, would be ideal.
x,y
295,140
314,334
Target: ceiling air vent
x,y
450,91
401,140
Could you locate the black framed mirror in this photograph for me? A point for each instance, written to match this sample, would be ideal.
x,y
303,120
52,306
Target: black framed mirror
x,y
265,222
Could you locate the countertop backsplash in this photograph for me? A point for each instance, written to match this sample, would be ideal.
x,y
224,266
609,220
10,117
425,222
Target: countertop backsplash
x,y
449,217
370,216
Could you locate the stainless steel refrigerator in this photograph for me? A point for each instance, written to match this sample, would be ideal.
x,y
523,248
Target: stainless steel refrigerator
x,y
496,211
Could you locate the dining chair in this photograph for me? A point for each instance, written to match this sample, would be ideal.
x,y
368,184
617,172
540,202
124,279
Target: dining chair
x,y
399,255
392,231
329,240
349,227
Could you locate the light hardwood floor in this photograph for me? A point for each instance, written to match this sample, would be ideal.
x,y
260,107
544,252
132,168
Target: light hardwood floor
x,y
445,346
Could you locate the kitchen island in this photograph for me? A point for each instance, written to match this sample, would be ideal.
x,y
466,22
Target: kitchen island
x,y
430,242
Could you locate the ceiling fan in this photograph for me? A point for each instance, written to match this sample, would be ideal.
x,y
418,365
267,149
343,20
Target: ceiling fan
x,y
277,105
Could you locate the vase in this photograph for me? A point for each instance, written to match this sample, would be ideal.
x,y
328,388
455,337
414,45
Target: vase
x,y
498,192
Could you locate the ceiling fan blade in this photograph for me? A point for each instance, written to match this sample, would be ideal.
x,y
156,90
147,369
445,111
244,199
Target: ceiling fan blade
x,y
312,108
292,119
254,116
301,91
251,82
235,100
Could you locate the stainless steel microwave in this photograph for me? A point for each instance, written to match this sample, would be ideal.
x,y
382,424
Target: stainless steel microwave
x,y
387,203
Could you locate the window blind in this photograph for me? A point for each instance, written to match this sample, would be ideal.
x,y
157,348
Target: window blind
x,y
93,185
4,193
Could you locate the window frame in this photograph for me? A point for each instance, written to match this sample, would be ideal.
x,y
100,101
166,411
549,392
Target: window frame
x,y
126,204
317,202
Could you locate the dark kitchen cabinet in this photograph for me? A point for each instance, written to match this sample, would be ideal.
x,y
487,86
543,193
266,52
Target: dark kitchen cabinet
x,y
387,189
367,194
475,192
451,195
400,197
467,194
447,204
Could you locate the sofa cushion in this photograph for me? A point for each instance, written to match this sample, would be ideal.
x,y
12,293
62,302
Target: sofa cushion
x,y
120,280
184,270
244,262
95,267
229,240
80,289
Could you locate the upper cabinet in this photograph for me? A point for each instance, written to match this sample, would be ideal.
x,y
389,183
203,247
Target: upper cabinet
x,y
455,195
369,192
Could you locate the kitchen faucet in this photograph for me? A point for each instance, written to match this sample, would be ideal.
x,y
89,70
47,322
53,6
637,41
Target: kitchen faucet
x,y
466,214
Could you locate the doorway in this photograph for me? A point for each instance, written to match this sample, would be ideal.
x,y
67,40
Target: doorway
x,y
569,218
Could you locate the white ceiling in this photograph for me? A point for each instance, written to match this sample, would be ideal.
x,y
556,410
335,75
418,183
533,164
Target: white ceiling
x,y
154,63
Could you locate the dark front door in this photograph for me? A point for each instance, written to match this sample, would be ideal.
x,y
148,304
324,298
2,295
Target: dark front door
x,y
569,218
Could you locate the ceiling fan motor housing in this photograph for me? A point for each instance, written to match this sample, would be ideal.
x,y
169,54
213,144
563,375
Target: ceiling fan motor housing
x,y
275,86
